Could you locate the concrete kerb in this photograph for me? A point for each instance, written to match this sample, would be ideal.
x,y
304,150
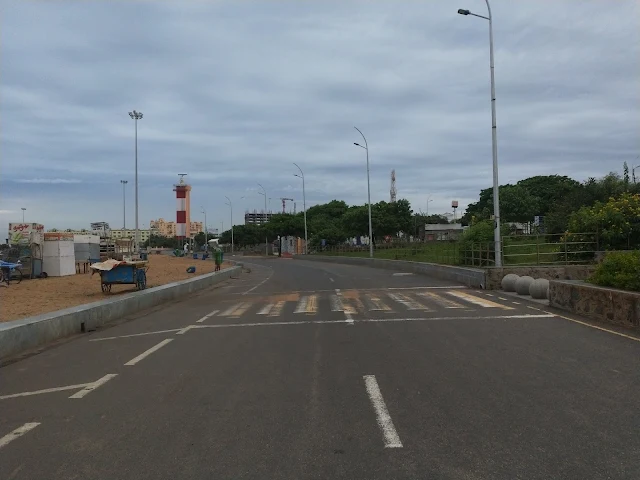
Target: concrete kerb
x,y
471,277
27,333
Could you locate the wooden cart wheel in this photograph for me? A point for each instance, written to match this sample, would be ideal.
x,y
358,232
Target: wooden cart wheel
x,y
106,287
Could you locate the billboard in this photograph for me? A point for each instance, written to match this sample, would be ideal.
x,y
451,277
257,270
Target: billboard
x,y
20,233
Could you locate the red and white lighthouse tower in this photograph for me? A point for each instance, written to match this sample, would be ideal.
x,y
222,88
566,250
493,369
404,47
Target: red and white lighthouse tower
x,y
183,214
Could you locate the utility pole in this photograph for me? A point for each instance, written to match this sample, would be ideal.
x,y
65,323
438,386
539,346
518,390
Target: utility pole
x,y
124,205
231,208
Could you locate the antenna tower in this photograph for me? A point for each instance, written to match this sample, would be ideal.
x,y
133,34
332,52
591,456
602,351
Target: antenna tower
x,y
393,186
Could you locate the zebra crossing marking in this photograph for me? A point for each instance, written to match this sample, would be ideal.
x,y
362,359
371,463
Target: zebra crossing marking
x,y
408,302
478,301
441,301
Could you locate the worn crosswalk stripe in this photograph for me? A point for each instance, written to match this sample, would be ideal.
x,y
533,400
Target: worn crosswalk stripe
x,y
307,304
230,310
312,304
277,308
336,304
237,310
440,301
266,309
407,301
374,303
477,300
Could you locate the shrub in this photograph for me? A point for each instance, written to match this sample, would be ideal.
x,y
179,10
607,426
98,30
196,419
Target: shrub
x,y
619,270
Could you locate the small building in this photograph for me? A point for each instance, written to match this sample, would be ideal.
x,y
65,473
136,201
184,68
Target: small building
x,y
441,232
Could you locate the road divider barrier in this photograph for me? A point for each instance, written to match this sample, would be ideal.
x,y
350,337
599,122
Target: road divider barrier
x,y
21,335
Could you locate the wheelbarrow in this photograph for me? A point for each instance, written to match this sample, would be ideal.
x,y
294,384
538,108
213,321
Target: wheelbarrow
x,y
129,273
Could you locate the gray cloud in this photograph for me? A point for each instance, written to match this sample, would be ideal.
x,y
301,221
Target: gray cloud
x,y
234,92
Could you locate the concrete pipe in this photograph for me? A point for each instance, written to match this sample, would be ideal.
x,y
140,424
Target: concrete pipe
x,y
509,282
539,289
523,284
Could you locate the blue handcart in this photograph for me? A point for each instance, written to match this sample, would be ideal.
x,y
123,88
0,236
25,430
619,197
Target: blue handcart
x,y
132,273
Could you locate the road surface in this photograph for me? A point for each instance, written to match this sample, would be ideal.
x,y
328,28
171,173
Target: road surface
x,y
304,370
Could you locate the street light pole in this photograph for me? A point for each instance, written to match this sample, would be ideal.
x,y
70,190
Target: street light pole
x,y
135,116
494,139
231,209
266,238
366,147
124,205
206,237
304,206
23,210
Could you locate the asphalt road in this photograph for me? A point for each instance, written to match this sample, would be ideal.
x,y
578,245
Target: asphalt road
x,y
302,370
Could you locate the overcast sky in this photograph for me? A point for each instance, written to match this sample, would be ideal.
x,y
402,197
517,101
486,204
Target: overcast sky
x,y
234,92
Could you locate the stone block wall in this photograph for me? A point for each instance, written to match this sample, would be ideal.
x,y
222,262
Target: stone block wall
x,y
609,305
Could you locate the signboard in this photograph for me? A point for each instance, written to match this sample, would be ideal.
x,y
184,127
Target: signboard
x,y
454,204
19,233
58,236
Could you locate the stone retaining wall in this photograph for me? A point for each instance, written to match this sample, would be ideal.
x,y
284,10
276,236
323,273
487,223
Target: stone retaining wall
x,y
609,305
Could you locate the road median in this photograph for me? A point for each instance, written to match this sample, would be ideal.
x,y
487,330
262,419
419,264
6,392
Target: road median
x,y
27,333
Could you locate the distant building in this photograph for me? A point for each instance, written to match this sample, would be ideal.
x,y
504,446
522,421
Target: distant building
x,y
257,218
441,231
168,229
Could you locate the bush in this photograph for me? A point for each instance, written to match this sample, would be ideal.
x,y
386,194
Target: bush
x,y
619,270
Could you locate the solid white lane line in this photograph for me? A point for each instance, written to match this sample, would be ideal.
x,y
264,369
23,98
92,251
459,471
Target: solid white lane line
x,y
266,309
636,339
207,316
46,390
17,433
135,335
401,274
92,386
391,438
371,320
269,324
145,354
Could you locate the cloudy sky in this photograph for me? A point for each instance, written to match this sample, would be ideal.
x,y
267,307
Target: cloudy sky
x,y
234,92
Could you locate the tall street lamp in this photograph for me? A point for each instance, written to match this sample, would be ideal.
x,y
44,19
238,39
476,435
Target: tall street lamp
x,y
366,147
304,206
266,238
124,205
23,210
231,209
135,116
494,138
206,237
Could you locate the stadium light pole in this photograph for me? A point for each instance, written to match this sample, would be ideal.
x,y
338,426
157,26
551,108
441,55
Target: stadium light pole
x,y
231,209
266,238
494,138
135,116
366,147
304,206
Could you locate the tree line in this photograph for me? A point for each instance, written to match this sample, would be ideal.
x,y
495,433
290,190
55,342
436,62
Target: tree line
x,y
560,200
